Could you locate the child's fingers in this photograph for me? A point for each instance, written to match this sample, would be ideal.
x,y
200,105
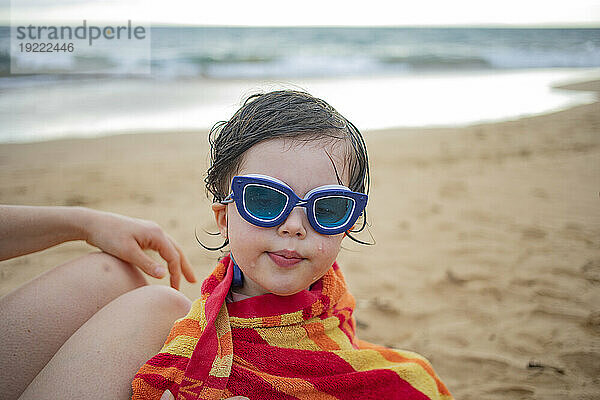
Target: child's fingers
x,y
186,267
159,242
138,258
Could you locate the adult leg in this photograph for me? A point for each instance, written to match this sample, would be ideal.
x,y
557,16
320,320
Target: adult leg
x,y
101,358
41,315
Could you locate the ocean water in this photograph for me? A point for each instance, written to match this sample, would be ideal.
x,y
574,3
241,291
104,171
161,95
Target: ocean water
x,y
377,77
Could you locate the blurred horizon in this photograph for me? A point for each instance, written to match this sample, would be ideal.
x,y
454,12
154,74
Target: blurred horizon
x,y
199,75
296,52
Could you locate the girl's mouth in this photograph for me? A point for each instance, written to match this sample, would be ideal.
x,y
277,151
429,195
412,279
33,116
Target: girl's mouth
x,y
285,258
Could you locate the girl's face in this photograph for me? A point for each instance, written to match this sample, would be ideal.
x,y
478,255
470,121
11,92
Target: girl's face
x,y
288,258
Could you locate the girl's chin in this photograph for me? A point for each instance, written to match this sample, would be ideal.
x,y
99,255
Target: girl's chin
x,y
286,293
285,287
252,289
283,291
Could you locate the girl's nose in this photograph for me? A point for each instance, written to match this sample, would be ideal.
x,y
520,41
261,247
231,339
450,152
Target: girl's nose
x,y
294,225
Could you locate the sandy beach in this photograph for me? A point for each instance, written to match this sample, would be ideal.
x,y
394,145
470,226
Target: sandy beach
x,y
487,259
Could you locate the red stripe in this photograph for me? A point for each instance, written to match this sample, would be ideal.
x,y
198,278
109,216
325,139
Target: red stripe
x,y
326,301
246,335
307,313
346,325
291,362
368,385
244,383
157,381
318,285
169,360
270,304
327,372
209,284
206,349
204,354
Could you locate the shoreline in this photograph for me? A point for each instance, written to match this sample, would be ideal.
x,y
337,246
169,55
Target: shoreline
x,y
591,86
488,238
91,109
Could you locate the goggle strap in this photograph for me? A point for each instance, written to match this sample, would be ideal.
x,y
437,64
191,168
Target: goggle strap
x,y
228,199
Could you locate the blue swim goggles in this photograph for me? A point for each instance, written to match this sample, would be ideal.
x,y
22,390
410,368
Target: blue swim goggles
x,y
266,202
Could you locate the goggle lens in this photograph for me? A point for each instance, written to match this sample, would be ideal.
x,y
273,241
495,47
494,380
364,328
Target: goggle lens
x,y
333,211
263,202
267,202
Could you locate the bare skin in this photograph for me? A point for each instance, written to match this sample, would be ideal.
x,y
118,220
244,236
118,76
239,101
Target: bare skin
x,y
100,359
25,230
83,329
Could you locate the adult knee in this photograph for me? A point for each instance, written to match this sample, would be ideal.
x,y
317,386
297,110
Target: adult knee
x,y
106,268
162,301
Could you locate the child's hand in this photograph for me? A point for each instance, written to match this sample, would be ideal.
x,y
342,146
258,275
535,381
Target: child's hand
x,y
126,238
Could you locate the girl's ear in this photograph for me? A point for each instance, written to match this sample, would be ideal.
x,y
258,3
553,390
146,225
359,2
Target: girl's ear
x,y
220,211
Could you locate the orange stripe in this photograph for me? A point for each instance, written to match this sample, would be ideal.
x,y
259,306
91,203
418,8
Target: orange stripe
x,y
392,356
346,301
210,393
220,271
143,391
185,327
170,373
273,320
316,308
316,332
226,344
338,289
189,385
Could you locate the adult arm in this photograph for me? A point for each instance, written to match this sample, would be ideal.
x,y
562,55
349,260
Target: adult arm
x,y
25,229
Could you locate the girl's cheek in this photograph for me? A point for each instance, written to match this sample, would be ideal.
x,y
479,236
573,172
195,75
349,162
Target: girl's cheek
x,y
329,246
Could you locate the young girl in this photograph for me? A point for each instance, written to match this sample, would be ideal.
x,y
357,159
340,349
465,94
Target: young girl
x,y
289,179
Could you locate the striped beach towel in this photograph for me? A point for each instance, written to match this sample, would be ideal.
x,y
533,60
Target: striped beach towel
x,y
272,347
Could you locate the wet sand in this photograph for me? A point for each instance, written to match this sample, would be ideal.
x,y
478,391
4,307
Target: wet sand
x,y
488,238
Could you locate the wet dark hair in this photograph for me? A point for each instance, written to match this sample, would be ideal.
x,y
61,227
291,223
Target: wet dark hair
x,y
288,114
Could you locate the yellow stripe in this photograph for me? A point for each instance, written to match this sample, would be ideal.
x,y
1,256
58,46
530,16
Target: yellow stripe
x,y
336,334
181,346
197,312
288,337
411,372
295,336
221,366
291,318
286,319
222,322
237,322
